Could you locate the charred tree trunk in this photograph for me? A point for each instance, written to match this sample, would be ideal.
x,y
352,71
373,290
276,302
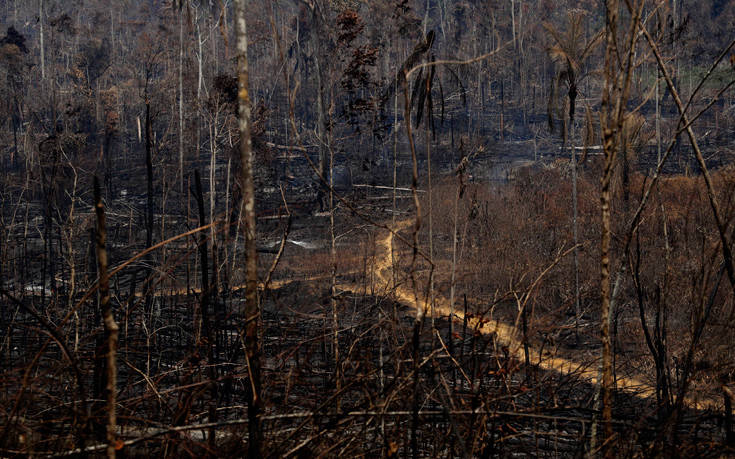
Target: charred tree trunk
x,y
575,226
609,136
149,205
98,382
206,293
110,326
252,308
181,102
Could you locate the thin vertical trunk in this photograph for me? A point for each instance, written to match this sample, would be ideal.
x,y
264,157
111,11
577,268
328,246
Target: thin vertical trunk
x,y
609,119
676,70
213,198
213,42
427,126
320,107
452,281
519,63
617,79
112,31
420,312
14,154
502,110
43,59
658,119
252,309
393,270
609,146
513,21
199,62
181,103
575,226
149,203
333,283
395,178
451,130
520,33
98,376
111,328
426,16
228,222
206,296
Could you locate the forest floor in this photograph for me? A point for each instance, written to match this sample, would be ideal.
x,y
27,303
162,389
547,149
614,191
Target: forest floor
x,y
388,271
506,334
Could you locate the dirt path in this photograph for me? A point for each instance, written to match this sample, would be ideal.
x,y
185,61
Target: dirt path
x,y
508,335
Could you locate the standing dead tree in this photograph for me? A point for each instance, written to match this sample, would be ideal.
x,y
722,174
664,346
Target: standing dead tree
x,y
252,308
111,328
618,71
206,296
149,204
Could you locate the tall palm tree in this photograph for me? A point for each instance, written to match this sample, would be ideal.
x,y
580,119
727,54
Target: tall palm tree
x,y
570,50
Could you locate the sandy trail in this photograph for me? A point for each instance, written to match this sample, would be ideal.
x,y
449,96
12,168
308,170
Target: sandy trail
x,y
508,335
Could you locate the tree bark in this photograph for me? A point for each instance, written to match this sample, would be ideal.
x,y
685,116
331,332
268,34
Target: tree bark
x,y
320,60
252,309
40,21
610,149
149,204
205,310
575,225
181,103
333,283
111,328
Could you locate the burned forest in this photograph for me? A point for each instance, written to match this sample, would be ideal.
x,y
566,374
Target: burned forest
x,y
367,228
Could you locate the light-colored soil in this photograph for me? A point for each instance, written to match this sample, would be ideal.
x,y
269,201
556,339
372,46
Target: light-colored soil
x,y
506,335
